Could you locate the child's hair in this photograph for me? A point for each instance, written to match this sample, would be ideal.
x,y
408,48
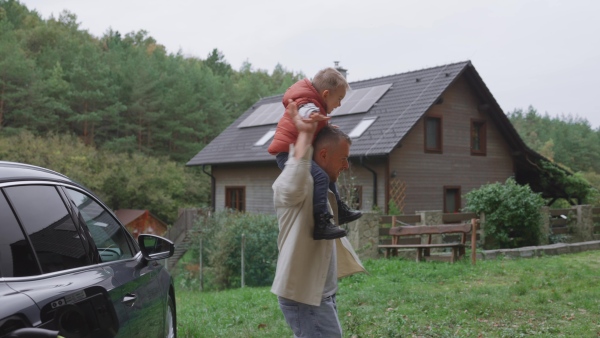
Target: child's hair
x,y
329,79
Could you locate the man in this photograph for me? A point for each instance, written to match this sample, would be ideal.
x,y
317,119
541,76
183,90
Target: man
x,y
307,269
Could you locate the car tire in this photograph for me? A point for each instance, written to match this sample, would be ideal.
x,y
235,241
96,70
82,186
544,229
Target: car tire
x,y
170,320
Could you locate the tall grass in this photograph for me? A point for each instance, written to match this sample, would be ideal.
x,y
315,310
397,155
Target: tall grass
x,y
552,296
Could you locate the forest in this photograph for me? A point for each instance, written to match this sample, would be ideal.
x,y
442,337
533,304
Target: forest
x,y
123,107
568,141
119,92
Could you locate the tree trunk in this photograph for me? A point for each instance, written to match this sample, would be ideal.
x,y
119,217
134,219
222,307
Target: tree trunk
x,y
85,125
92,133
2,106
148,137
139,136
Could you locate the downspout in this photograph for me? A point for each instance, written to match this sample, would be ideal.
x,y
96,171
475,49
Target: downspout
x,y
362,163
212,188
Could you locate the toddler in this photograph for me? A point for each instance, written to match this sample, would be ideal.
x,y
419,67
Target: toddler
x,y
321,96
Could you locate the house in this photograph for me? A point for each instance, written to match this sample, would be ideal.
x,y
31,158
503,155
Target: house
x,y
422,139
141,222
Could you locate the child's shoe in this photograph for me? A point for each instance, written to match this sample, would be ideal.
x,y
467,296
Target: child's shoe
x,y
347,215
326,229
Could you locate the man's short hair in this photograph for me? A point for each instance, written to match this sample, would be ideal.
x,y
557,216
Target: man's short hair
x,y
329,79
330,136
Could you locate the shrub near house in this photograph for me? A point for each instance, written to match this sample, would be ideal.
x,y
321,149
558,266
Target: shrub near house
x,y
512,217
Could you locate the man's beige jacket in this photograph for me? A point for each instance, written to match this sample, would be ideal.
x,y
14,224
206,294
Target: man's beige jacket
x,y
303,262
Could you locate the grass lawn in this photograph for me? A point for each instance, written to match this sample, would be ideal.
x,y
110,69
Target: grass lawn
x,y
552,296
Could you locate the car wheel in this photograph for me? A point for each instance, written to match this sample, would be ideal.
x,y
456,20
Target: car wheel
x,y
170,329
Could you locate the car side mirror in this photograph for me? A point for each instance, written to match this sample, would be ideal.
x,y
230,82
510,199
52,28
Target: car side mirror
x,y
155,247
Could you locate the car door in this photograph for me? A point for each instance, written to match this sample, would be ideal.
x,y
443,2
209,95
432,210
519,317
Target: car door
x,y
46,259
16,259
140,287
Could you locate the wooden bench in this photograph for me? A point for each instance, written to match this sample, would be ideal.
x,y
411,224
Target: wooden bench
x,y
424,249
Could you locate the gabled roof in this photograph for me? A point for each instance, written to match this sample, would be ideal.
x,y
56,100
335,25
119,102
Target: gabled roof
x,y
397,111
411,94
127,216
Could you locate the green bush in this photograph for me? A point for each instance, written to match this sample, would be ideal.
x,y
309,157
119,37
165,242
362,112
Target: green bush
x,y
222,241
393,208
512,214
121,180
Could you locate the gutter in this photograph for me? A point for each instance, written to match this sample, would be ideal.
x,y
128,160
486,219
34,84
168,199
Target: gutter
x,y
212,188
362,163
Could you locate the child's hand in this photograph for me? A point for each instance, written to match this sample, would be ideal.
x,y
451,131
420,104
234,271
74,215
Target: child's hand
x,y
316,117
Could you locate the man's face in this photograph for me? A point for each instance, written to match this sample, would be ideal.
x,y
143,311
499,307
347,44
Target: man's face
x,y
334,160
333,98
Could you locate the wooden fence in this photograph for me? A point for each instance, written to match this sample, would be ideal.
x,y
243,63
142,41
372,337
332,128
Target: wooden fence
x,y
559,220
562,219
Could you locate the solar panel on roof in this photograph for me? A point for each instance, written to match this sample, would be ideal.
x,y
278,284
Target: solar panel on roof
x,y
269,113
351,99
361,100
356,101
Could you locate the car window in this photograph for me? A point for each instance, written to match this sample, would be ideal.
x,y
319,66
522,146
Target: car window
x,y
49,225
108,234
16,257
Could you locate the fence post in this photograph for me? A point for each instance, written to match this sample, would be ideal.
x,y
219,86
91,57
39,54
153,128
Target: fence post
x,y
432,217
200,266
546,230
474,227
243,243
584,230
363,234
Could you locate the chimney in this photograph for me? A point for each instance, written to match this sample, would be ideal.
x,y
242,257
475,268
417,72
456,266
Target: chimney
x,y
343,71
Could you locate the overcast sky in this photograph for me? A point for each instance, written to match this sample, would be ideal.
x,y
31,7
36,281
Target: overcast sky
x,y
543,53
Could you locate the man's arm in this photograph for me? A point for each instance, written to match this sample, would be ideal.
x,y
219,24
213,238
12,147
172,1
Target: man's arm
x,y
291,187
306,129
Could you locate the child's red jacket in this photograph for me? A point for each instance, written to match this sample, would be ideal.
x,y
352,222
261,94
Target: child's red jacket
x,y
301,92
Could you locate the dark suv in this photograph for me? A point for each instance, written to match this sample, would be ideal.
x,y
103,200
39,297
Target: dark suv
x,y
69,267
